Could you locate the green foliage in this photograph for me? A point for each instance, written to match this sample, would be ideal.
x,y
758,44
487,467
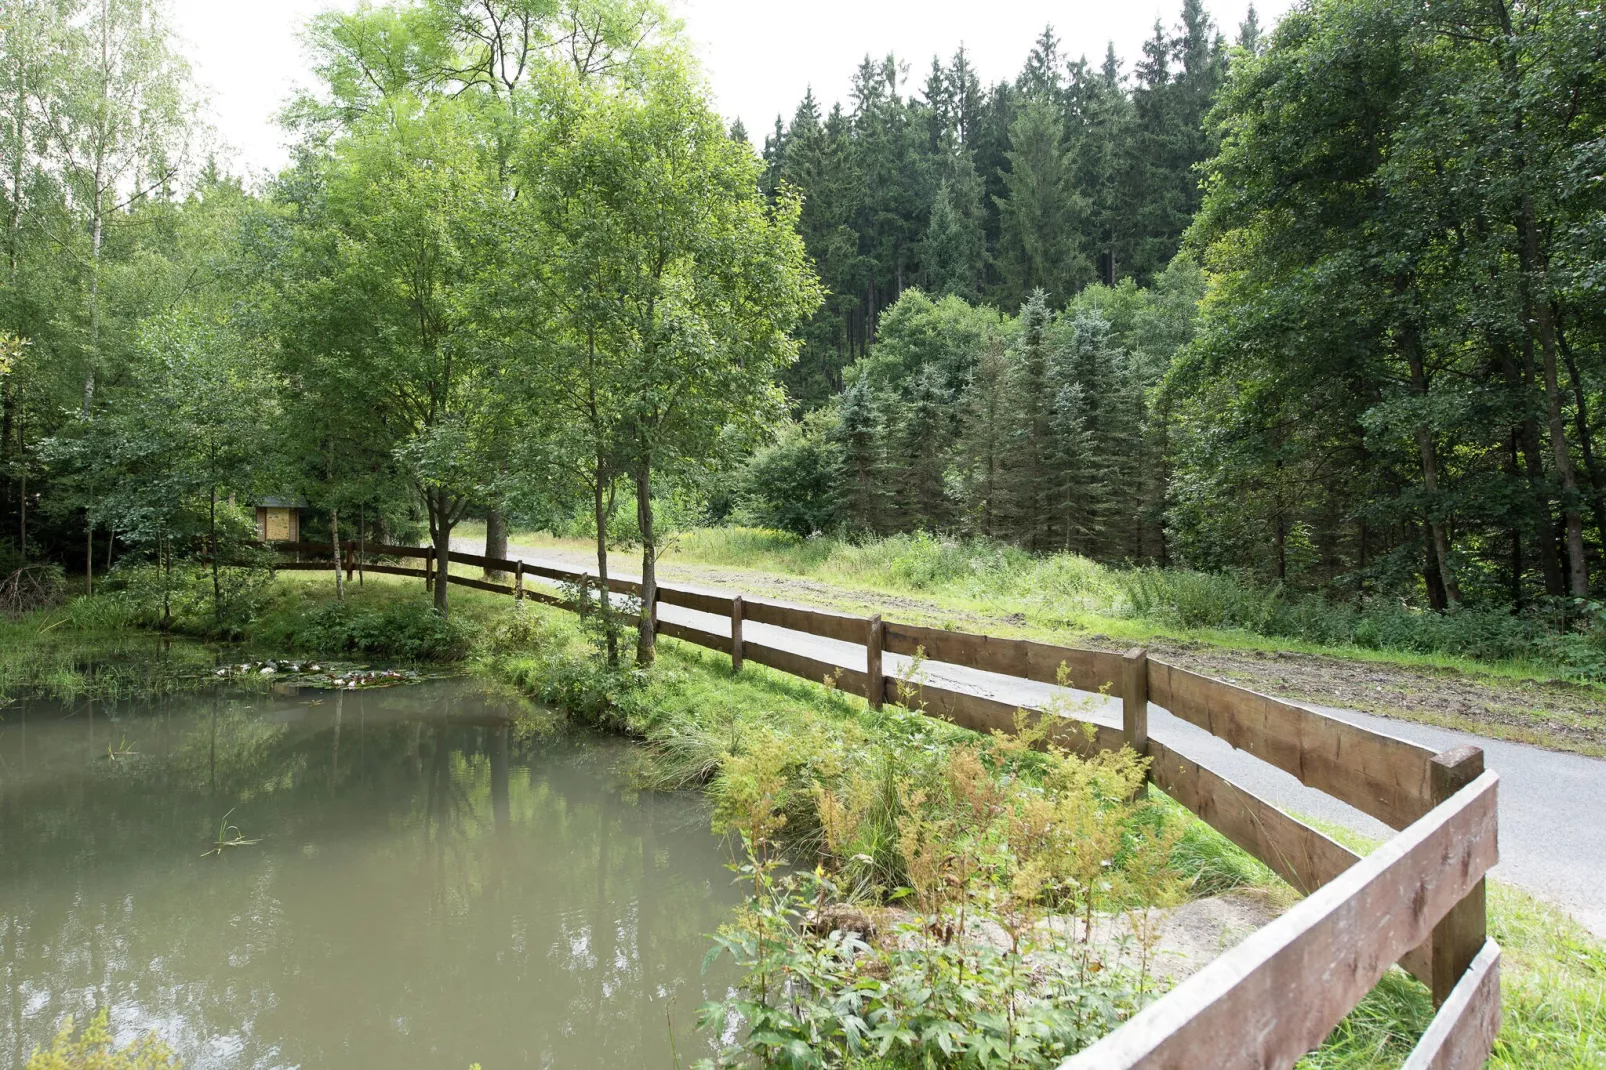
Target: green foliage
x,y
915,1001
791,485
93,1048
180,597
1236,601
407,629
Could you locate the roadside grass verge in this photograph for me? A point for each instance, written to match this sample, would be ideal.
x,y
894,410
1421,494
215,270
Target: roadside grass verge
x,y
693,715
1066,591
1526,697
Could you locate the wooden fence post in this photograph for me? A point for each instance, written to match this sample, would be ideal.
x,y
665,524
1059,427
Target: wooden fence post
x,y
1135,699
736,634
875,685
518,584
350,555
429,572
1459,936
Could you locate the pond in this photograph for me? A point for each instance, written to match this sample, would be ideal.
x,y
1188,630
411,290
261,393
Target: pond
x,y
431,883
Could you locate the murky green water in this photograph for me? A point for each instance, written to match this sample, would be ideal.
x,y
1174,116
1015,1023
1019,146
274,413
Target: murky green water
x,y
431,887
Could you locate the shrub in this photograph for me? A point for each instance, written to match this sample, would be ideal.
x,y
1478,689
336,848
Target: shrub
x,y
404,630
181,598
1011,835
94,1049
791,484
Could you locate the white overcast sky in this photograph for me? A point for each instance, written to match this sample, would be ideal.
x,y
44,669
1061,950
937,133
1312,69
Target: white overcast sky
x,y
759,57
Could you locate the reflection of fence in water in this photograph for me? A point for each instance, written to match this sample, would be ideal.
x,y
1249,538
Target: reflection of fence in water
x,y
1417,900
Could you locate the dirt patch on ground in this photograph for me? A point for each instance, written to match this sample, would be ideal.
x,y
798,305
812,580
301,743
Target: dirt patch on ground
x,y
1551,714
1556,715
1182,939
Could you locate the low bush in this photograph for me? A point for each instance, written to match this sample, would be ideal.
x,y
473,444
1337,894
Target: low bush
x,y
406,629
94,1049
181,597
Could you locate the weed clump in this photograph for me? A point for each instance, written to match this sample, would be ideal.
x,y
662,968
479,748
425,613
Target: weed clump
x,y
94,1049
1027,879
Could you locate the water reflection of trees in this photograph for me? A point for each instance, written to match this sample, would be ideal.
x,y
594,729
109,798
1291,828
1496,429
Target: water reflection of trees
x,y
428,890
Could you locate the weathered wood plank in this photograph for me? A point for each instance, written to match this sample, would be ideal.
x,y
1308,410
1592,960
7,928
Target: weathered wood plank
x,y
1135,698
1086,670
1275,996
985,715
1462,1034
396,570
841,626
304,547
738,614
570,575
384,550
500,564
695,635
851,681
1460,936
1297,853
719,606
480,585
1378,774
875,674
1304,857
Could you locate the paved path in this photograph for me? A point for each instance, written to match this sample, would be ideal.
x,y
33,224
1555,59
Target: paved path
x,y
1552,804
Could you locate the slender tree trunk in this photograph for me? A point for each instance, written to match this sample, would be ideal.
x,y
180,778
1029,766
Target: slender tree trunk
x,y
1439,538
1279,544
443,549
22,487
89,554
1536,269
1431,575
495,541
1522,382
1517,566
211,538
647,636
604,602
1578,570
1586,437
97,223
18,151
334,540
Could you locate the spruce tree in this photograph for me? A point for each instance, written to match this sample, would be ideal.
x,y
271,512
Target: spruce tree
x,y
987,441
859,436
918,457
1042,215
1029,476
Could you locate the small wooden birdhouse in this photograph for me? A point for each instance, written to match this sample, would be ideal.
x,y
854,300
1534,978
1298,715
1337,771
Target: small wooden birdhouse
x,y
279,519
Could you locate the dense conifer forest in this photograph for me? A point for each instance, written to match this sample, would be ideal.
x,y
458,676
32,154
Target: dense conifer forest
x,y
1318,304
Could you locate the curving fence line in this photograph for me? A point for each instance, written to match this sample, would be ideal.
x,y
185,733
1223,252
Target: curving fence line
x,y
1418,900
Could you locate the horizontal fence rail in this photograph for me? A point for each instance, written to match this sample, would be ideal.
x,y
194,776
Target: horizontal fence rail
x,y
1418,900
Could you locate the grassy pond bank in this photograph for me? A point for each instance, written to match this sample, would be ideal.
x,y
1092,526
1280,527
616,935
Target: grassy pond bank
x,y
418,868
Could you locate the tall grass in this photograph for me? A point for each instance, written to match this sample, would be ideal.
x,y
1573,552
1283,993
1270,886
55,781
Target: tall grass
x,y
1060,587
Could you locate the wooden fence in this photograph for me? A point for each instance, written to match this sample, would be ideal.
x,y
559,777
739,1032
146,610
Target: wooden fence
x,y
1418,900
